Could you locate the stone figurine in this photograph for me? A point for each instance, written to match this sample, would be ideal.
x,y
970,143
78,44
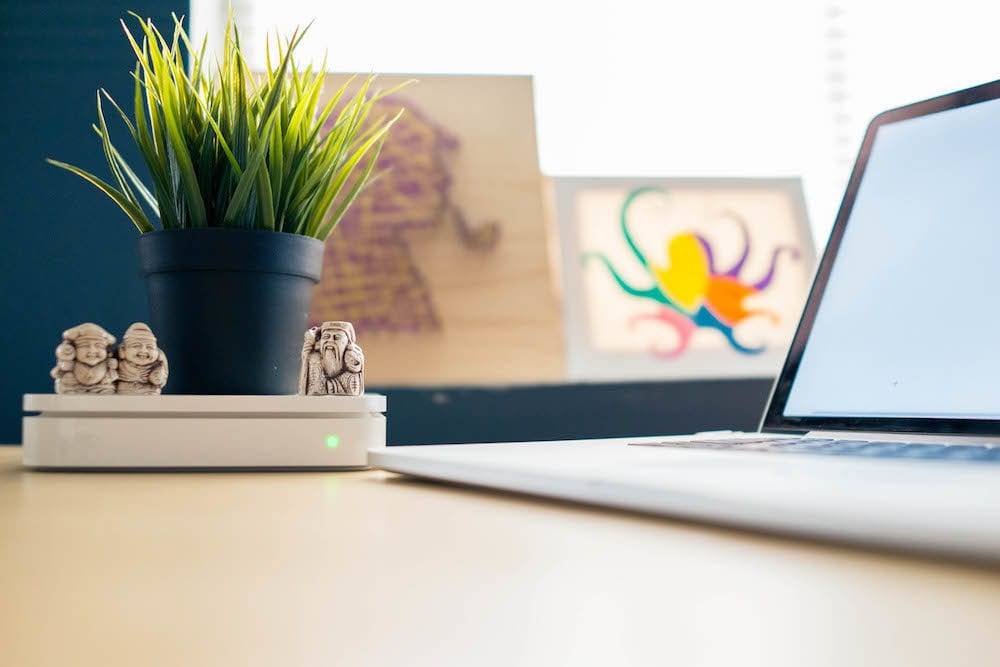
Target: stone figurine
x,y
142,366
332,361
85,362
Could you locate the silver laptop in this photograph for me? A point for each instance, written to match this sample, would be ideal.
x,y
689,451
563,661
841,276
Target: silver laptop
x,y
884,424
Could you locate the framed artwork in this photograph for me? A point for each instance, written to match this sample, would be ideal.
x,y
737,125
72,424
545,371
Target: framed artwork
x,y
443,263
680,277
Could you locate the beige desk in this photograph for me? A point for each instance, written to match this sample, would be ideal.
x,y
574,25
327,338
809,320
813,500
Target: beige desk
x,y
372,569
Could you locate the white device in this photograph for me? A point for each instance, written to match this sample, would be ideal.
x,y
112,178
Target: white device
x,y
202,432
884,424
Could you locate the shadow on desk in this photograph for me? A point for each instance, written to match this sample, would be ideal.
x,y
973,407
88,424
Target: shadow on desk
x,y
424,416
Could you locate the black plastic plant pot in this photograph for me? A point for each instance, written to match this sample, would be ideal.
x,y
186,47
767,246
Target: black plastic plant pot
x,y
229,306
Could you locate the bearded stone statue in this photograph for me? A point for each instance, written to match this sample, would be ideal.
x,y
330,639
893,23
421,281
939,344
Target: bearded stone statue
x,y
85,362
332,361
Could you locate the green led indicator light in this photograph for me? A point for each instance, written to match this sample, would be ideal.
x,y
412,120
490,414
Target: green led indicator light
x,y
332,441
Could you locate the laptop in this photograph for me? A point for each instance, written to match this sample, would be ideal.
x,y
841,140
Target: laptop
x,y
883,426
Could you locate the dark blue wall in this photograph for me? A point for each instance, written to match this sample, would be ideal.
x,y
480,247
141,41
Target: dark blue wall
x,y
420,416
66,252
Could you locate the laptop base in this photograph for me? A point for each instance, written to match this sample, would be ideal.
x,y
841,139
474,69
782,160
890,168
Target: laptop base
x,y
945,508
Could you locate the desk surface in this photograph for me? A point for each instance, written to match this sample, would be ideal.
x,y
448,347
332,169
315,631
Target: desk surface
x,y
373,569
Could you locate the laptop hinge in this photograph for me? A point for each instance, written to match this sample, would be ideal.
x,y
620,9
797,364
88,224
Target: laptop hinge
x,y
882,436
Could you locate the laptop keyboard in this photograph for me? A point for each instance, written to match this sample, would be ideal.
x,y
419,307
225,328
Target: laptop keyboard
x,y
870,449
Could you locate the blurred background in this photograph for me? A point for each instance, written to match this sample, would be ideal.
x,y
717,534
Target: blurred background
x,y
643,92
769,87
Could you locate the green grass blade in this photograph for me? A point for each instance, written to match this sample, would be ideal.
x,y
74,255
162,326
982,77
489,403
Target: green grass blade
x,y
106,146
344,172
362,182
265,202
128,172
134,213
241,194
189,180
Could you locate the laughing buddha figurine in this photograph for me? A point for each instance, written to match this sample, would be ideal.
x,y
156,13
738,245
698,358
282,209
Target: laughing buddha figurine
x,y
85,362
142,366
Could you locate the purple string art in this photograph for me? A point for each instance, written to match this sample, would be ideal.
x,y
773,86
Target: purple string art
x,y
369,275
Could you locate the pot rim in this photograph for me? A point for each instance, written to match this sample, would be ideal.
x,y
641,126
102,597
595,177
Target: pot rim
x,y
228,249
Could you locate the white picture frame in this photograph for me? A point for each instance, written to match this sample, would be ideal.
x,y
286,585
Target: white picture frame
x,y
611,335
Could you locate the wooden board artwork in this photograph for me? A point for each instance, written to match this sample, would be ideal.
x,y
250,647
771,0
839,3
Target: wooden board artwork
x,y
443,264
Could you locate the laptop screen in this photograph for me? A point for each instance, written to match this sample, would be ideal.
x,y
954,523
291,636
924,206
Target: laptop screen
x,y
908,325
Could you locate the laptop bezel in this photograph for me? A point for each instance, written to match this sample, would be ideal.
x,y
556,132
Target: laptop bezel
x,y
774,418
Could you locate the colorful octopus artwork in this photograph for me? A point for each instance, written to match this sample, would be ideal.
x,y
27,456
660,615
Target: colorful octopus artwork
x,y
691,290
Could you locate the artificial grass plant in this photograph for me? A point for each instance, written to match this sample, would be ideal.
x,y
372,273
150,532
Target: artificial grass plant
x,y
225,148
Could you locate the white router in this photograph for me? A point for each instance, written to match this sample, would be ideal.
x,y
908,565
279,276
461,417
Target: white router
x,y
74,431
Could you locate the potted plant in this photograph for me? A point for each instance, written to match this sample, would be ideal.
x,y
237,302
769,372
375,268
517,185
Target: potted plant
x,y
246,187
